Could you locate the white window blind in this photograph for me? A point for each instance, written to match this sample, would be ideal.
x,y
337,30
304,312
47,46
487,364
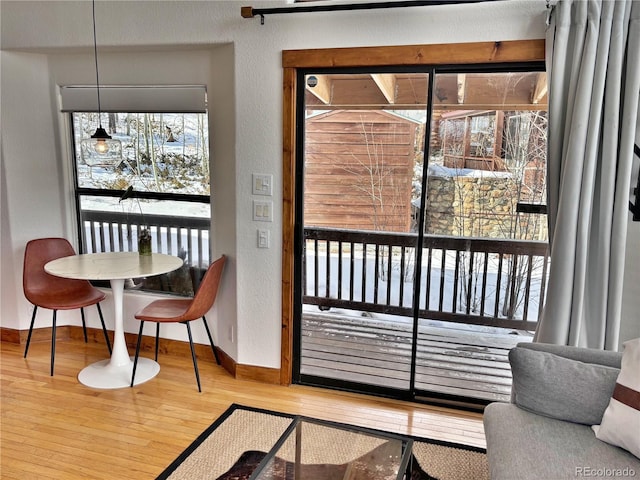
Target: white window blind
x,y
135,99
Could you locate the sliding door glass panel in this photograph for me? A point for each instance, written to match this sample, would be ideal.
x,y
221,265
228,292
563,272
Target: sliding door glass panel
x,y
363,162
485,253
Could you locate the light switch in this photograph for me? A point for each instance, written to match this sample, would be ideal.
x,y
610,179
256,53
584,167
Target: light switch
x,y
262,184
263,239
263,210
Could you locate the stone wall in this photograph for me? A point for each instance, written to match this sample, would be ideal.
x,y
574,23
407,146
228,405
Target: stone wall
x,y
482,206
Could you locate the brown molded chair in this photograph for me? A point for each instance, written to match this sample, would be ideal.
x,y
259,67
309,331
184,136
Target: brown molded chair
x,y
184,310
56,293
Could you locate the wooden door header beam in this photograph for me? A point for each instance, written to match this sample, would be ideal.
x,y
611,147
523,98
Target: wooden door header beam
x,y
250,12
439,54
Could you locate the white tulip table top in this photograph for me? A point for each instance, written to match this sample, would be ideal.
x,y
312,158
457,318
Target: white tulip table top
x,y
116,267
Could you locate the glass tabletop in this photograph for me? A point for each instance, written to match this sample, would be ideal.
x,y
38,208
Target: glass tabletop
x,y
312,449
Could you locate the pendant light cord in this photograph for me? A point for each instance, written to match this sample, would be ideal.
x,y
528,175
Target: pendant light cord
x,y
95,56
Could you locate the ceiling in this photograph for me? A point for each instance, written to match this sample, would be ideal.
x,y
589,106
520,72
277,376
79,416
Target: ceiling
x,y
404,91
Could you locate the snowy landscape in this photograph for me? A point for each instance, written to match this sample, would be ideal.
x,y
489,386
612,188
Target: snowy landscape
x,y
155,153
162,153
437,283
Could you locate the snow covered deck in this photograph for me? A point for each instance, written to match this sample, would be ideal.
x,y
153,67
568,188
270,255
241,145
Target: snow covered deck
x,y
453,359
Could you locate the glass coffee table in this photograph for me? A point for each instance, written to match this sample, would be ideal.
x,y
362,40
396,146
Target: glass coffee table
x,y
313,449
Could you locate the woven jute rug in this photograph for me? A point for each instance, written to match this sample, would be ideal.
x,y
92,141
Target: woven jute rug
x,y
233,446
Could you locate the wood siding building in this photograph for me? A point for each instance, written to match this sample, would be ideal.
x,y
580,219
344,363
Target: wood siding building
x,y
359,170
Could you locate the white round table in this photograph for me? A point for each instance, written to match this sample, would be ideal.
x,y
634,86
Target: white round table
x,y
116,267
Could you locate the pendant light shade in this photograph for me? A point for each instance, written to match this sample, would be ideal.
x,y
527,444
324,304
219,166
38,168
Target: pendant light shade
x,y
101,136
101,150
108,150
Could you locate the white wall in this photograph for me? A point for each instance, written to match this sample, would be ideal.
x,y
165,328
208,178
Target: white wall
x,y
33,182
244,78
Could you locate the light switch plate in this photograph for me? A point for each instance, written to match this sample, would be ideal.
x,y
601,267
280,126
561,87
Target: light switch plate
x,y
263,210
264,240
262,184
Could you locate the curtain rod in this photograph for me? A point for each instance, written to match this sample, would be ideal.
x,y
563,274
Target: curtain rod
x,y
250,12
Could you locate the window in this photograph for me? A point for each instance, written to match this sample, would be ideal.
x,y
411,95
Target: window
x,y
164,157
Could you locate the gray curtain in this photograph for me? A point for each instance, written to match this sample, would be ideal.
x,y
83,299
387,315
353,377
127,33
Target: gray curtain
x,y
593,68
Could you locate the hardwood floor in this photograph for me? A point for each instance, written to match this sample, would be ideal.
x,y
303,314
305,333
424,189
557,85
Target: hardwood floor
x,y
56,428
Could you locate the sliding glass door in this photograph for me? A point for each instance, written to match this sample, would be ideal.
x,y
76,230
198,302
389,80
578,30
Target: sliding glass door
x,y
363,156
418,267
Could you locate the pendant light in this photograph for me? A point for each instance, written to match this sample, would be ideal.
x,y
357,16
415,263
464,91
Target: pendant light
x,y
100,136
108,150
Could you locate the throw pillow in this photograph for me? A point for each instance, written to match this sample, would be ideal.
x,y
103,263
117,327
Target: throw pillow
x,y
621,421
559,387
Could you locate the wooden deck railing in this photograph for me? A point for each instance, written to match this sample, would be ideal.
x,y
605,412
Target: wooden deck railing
x,y
465,280
118,232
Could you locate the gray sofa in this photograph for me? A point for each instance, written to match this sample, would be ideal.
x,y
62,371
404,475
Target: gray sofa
x,y
545,432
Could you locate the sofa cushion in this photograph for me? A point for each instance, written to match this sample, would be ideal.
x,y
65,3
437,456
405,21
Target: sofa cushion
x,y
525,446
586,355
559,387
621,421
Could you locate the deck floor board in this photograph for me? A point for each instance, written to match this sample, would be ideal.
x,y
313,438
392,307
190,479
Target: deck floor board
x,y
461,360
